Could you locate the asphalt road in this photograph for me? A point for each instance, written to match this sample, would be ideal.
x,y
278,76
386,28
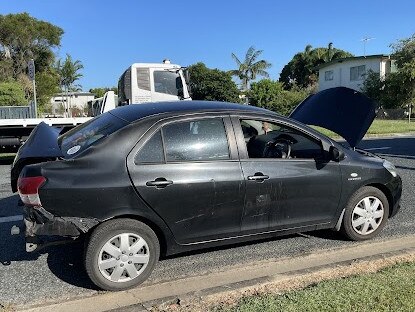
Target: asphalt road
x,y
57,272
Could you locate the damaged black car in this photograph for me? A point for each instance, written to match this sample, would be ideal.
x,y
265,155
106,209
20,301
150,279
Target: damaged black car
x,y
150,180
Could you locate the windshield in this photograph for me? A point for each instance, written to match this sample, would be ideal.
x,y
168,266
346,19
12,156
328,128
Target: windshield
x,y
80,138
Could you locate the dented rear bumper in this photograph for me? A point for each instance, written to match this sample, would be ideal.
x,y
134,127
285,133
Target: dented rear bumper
x,y
39,222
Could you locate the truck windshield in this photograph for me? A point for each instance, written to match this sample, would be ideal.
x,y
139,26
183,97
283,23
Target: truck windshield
x,y
80,138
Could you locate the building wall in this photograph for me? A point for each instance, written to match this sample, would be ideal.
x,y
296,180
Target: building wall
x,y
341,72
75,100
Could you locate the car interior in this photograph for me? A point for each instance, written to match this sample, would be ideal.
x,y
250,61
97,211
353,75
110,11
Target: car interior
x,y
269,140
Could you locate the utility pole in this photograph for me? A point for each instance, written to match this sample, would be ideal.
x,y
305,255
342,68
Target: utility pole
x,y
32,77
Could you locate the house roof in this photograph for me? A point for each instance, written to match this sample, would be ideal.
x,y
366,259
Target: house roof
x,y
353,58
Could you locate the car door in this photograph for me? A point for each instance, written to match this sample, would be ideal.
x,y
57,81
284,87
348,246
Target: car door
x,y
166,85
187,170
286,187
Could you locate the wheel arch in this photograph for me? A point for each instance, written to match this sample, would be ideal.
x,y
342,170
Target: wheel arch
x,y
161,235
381,188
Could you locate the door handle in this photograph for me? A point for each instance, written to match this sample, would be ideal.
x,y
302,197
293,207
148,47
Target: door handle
x,y
159,183
259,177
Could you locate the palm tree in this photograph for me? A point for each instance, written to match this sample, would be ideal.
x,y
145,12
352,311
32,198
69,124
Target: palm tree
x,y
250,68
69,73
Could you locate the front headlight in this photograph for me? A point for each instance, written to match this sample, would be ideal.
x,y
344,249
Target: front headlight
x,y
390,167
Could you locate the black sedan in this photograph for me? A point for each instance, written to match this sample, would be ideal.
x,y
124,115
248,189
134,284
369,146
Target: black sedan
x,y
156,179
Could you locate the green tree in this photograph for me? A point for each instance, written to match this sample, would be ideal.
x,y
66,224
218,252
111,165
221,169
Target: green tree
x,y
272,95
69,72
302,71
396,89
23,37
99,92
47,85
212,84
11,94
250,68
404,56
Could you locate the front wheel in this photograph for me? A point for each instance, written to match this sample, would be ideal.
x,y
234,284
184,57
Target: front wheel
x,y
366,214
121,254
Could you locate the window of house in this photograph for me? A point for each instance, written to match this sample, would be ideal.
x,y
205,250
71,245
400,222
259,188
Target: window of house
x,y
357,73
328,75
152,152
196,140
270,140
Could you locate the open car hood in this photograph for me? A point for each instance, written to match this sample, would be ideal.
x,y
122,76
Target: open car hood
x,y
345,111
42,142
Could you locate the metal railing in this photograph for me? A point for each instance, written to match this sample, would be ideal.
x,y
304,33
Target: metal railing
x,y
17,112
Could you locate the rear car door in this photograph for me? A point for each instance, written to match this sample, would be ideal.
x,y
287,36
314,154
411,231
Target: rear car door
x,y
288,182
188,172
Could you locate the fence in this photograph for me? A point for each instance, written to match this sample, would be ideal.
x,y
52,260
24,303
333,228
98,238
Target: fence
x,y
393,114
17,112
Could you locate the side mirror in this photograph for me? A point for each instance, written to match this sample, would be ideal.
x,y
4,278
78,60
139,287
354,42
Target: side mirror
x,y
336,154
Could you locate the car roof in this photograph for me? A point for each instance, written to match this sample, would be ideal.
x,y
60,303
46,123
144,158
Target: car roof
x,y
133,112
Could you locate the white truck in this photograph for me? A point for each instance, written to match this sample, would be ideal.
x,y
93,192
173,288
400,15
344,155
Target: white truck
x,y
140,83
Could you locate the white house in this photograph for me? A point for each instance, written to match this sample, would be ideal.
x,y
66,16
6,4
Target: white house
x,y
351,72
71,100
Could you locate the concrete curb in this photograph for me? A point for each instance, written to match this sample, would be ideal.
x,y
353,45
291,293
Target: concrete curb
x,y
231,278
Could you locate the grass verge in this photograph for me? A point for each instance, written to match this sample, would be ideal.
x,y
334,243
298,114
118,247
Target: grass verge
x,y
7,155
380,127
391,289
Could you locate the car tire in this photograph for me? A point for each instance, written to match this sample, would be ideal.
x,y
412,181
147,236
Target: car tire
x,y
365,214
121,254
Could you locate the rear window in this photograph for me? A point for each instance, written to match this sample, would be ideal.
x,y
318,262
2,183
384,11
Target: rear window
x,y
80,138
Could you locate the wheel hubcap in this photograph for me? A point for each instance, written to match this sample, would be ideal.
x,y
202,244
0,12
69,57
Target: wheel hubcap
x,y
123,257
367,215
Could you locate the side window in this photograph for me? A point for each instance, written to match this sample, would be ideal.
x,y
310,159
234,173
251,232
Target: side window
x,y
167,82
270,140
152,151
196,140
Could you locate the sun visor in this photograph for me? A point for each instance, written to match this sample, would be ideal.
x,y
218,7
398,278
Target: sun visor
x,y
345,111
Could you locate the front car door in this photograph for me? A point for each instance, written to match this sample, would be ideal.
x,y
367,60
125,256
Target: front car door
x,y
289,184
187,170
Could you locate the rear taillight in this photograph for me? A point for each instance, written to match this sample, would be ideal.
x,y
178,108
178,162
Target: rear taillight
x,y
28,190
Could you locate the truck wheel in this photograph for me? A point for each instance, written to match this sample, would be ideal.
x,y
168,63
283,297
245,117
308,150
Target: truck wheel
x,y
121,254
366,214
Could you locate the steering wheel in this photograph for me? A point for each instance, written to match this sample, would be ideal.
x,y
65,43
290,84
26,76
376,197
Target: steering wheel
x,y
279,148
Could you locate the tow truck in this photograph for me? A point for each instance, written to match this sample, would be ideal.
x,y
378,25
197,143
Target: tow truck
x,y
140,83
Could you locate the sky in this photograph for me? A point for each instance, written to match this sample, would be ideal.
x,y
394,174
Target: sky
x,y
108,36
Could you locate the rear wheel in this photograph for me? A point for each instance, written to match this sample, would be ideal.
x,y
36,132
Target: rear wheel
x,y
366,214
121,254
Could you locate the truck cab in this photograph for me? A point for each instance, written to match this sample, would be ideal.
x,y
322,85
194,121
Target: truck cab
x,y
152,82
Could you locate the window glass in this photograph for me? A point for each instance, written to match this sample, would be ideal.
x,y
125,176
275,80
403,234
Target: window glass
x,y
152,151
270,140
357,73
167,82
143,78
328,75
83,136
196,140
